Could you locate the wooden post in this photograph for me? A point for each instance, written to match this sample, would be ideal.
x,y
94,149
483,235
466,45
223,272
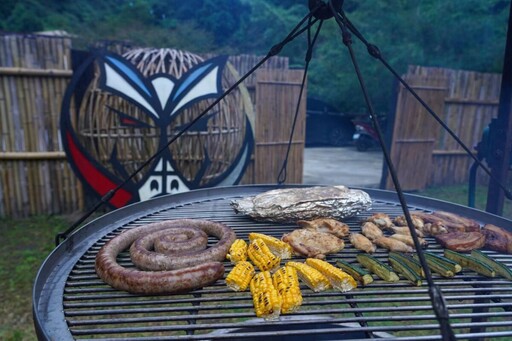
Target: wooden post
x,y
503,132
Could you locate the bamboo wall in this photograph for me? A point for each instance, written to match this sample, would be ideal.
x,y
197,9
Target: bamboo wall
x,y
35,177
470,102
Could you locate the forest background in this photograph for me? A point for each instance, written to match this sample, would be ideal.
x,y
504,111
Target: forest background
x,y
467,35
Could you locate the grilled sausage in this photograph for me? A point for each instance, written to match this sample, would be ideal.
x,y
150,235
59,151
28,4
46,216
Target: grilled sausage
x,y
180,273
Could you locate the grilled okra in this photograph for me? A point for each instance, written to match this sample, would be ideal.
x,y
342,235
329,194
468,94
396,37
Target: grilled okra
x,y
470,263
359,274
500,268
382,270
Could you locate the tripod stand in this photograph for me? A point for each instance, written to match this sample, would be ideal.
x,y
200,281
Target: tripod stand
x,y
321,11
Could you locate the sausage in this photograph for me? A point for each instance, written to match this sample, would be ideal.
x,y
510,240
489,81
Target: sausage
x,y
194,271
186,240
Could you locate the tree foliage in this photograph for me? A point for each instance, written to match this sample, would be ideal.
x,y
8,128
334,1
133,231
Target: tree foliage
x,y
466,34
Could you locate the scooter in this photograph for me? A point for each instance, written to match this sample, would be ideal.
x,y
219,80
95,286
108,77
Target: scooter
x,y
365,136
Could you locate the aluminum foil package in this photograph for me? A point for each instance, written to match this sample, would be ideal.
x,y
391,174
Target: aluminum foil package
x,y
292,204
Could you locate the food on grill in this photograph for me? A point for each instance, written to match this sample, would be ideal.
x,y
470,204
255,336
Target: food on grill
x,y
500,268
362,243
382,220
359,274
450,221
313,278
438,267
240,276
433,229
453,266
277,247
238,251
393,244
461,241
417,222
311,244
407,239
470,263
497,239
293,204
266,299
410,261
191,240
339,279
405,230
377,267
181,273
371,231
261,256
469,224
286,282
332,226
402,268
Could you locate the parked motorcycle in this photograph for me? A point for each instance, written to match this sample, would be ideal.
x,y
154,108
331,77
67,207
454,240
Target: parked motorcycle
x,y
365,136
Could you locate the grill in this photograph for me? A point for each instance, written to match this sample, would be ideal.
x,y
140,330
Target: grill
x,y
71,302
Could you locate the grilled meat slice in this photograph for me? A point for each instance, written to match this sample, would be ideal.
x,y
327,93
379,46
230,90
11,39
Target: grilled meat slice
x,y
382,220
469,224
497,239
371,231
362,243
332,226
312,244
461,241
393,244
454,224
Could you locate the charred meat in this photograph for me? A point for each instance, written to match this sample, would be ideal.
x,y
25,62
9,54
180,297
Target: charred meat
x,y
326,225
312,244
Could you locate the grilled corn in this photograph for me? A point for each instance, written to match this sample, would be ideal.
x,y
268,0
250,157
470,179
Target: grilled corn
x,y
240,277
237,251
338,278
287,284
276,246
266,300
261,256
310,276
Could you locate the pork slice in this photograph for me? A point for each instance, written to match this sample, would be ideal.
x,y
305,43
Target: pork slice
x,y
497,239
461,241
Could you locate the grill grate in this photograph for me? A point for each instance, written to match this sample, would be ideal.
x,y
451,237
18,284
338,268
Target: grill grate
x,y
479,307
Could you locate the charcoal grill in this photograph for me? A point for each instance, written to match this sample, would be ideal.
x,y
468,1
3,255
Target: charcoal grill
x,y
71,302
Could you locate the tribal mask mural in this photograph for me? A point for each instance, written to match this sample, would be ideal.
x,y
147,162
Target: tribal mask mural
x,y
119,111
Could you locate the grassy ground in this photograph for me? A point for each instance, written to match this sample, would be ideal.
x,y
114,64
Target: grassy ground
x,y
27,242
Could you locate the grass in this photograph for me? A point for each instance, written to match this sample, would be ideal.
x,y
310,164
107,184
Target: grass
x,y
27,242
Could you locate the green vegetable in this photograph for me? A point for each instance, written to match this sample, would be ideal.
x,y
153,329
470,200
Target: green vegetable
x,y
470,263
359,274
382,270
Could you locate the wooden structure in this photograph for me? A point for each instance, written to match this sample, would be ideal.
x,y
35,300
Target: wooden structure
x,y
422,151
35,177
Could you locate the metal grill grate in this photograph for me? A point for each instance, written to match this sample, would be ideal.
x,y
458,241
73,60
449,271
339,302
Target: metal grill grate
x,y
479,307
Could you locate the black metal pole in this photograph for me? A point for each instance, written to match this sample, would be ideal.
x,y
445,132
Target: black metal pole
x,y
501,132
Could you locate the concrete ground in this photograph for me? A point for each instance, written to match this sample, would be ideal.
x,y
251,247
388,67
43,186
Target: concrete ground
x,y
342,166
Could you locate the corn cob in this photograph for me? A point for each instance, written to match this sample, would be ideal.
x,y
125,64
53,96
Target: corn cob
x,y
237,251
266,300
276,246
310,276
240,277
339,279
287,284
260,255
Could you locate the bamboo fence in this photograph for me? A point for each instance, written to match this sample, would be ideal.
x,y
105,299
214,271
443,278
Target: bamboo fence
x,y
35,177
469,102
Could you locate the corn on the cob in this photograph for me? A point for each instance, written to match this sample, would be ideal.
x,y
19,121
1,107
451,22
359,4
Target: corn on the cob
x,y
287,284
260,255
266,300
237,251
338,278
310,276
240,277
276,246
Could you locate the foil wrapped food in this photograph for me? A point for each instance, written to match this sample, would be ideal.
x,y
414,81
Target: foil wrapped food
x,y
304,203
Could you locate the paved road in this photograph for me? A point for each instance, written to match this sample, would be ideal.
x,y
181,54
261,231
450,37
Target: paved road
x,y
342,166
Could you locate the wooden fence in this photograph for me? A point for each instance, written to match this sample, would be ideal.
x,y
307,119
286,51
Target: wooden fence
x,y
466,101
35,177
